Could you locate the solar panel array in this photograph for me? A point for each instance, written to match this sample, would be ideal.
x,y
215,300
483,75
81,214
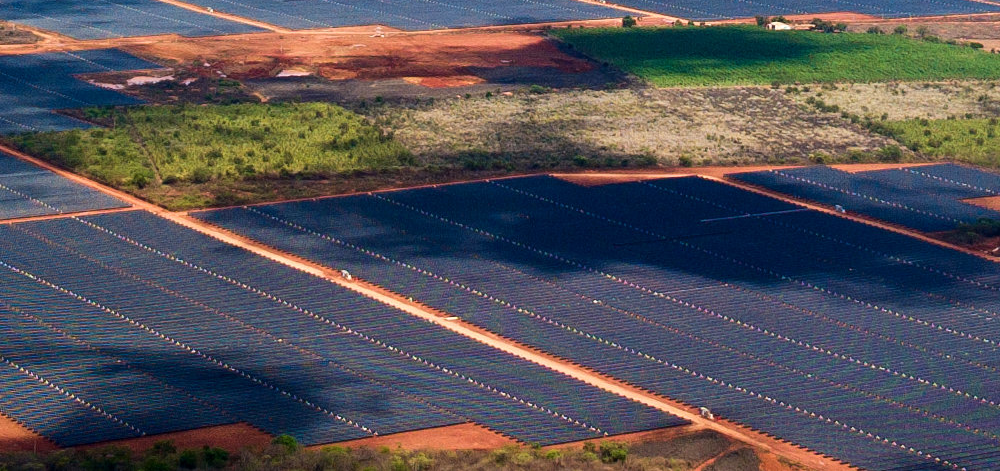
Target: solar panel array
x,y
124,324
729,9
27,190
410,14
106,19
868,346
899,196
33,85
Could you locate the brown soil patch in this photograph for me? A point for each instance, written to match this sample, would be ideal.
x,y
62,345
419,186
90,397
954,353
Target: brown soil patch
x,y
453,437
15,437
445,82
228,437
340,56
658,435
988,202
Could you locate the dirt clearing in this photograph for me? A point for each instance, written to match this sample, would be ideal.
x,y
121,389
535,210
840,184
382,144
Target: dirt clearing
x,y
342,55
455,437
15,437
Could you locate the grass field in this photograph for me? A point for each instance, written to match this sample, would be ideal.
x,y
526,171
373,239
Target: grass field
x,y
976,141
148,148
748,55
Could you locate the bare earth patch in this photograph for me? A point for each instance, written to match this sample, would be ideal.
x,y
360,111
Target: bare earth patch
x,y
989,202
455,437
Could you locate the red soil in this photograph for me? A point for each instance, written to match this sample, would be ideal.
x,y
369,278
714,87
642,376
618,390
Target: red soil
x,y
454,437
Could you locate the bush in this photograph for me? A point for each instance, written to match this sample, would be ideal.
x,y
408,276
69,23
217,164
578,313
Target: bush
x,y
287,442
890,153
215,457
900,30
628,21
875,30
188,459
613,452
201,175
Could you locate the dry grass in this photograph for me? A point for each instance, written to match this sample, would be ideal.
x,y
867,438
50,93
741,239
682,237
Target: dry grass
x,y
899,101
671,126
12,34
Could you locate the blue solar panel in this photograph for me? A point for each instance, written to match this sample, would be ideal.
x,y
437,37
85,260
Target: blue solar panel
x,y
33,85
227,336
27,190
727,9
410,14
856,342
905,197
105,19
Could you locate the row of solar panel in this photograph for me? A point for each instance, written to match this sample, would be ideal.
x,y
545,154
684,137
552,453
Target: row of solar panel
x,y
32,86
27,190
635,281
899,196
106,19
122,18
728,9
411,14
99,304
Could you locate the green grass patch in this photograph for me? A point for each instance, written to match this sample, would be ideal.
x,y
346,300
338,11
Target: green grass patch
x,y
168,145
747,55
976,141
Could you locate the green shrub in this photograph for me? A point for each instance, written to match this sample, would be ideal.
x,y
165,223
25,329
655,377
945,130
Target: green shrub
x,y
613,452
188,459
628,21
287,442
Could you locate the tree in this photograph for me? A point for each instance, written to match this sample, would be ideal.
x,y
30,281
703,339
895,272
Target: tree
x,y
900,30
922,31
628,21
761,20
875,30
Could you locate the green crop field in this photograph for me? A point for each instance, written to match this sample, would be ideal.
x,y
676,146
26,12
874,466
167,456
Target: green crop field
x,y
976,141
748,55
158,148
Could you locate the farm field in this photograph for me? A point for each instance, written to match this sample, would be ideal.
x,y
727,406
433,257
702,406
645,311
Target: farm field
x,y
745,55
106,19
919,198
409,15
729,9
885,347
138,327
34,85
27,190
